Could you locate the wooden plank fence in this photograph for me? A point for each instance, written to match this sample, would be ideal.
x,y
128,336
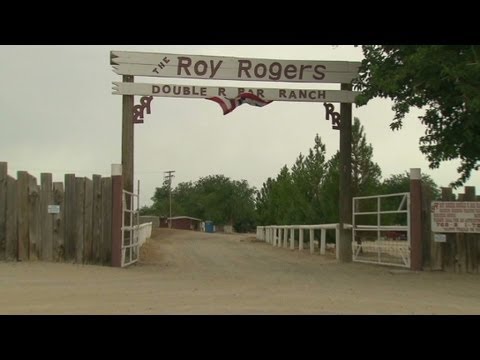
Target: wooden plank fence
x,y
34,220
11,220
461,252
3,209
58,228
80,233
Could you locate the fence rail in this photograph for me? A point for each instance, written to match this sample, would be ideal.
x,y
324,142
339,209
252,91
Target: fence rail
x,y
144,232
278,235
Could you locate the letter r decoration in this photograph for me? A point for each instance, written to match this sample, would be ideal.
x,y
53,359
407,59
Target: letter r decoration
x,y
330,111
139,109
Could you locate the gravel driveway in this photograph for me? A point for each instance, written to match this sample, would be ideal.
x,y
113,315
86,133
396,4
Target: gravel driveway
x,y
185,272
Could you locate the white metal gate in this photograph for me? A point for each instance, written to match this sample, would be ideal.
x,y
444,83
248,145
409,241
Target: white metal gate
x,y
130,227
381,229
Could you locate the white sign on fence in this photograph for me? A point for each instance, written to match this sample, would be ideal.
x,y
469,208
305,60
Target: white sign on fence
x,y
230,68
456,216
440,238
54,209
195,91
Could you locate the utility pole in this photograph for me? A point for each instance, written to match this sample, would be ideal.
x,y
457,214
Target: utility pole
x,y
168,179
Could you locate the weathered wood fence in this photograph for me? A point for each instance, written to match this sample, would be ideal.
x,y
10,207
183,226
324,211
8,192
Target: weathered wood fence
x,y
81,232
461,252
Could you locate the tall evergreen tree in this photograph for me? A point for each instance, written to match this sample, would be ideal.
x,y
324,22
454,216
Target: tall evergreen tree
x,y
294,196
366,174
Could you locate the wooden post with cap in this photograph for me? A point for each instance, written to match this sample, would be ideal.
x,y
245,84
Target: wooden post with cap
x,y
117,212
416,219
127,138
345,183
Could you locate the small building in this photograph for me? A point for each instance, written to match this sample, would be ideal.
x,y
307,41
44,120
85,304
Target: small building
x,y
182,223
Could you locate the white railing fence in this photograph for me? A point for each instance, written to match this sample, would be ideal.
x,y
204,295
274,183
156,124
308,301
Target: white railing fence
x,y
144,233
280,235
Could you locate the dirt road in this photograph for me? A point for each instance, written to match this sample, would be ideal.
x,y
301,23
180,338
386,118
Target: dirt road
x,y
184,272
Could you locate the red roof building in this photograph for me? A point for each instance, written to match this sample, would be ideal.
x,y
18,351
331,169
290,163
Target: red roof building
x,y
182,223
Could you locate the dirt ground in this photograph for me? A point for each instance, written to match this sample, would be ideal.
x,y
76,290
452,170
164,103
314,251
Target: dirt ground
x,y
185,272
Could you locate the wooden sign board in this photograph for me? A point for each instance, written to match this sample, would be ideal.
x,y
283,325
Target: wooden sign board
x,y
455,217
231,68
201,92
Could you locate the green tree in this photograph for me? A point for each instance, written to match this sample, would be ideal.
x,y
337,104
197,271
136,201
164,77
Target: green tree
x,y
263,203
146,210
215,197
185,200
301,191
283,198
293,197
308,181
277,200
214,193
442,79
330,190
366,174
242,206
160,206
400,183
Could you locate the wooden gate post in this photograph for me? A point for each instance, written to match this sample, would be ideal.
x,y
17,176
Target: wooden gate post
x,y
415,219
127,138
345,183
117,193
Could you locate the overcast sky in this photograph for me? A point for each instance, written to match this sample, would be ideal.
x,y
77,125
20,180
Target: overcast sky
x,y
58,115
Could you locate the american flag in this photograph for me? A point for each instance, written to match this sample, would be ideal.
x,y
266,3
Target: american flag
x,y
228,104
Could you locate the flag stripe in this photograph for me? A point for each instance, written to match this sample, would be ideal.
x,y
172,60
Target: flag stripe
x,y
222,103
254,97
228,104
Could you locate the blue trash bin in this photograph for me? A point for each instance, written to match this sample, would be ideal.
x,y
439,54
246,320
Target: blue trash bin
x,y
209,226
